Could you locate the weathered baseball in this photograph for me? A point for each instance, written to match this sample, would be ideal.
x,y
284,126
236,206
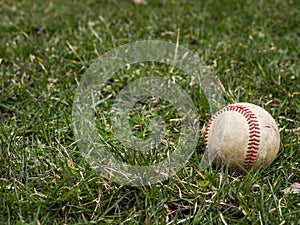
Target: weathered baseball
x,y
243,135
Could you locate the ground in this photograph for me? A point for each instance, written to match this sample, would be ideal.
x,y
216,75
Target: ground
x,y
252,46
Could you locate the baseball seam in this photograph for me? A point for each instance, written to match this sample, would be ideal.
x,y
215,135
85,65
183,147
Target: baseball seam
x,y
254,132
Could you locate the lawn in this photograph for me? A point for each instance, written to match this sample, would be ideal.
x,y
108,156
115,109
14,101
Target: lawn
x,y
47,46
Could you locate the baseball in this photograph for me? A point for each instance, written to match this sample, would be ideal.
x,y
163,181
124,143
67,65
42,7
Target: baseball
x,y
242,134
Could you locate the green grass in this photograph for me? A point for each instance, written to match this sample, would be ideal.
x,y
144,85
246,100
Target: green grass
x,y
46,47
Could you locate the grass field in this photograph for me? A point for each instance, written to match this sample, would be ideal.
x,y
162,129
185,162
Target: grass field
x,y
45,48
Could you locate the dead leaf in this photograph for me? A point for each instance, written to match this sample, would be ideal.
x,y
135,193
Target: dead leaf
x,y
139,2
293,189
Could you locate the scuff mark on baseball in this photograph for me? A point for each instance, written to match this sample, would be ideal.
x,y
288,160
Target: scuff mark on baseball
x,y
244,135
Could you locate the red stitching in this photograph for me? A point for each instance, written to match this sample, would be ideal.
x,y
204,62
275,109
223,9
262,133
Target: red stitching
x,y
206,130
254,132
256,148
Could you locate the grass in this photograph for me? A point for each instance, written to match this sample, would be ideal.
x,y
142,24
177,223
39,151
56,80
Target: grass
x,y
45,49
